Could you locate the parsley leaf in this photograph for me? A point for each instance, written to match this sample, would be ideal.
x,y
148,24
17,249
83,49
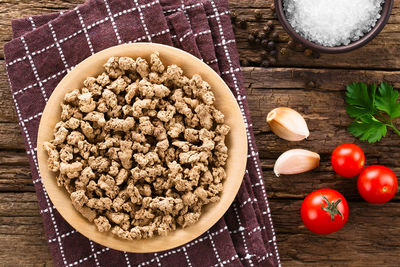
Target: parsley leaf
x,y
386,100
367,128
372,109
360,99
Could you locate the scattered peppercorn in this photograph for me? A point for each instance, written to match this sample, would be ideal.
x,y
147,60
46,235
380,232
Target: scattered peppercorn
x,y
257,14
254,32
251,39
267,39
264,54
271,45
275,36
265,63
308,52
267,29
262,35
272,61
242,24
264,43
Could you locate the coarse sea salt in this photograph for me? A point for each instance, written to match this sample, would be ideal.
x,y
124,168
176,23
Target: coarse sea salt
x,y
332,22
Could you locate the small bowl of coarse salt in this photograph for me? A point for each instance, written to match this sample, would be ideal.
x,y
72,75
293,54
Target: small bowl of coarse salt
x,y
333,26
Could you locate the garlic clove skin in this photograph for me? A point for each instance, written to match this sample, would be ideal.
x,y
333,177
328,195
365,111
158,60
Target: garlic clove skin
x,y
288,124
296,161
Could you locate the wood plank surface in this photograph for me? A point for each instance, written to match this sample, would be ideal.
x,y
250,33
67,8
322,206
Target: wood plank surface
x,y
382,53
22,238
366,240
362,239
314,87
323,107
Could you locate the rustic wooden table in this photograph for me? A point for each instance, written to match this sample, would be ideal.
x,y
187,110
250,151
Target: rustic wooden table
x,y
315,87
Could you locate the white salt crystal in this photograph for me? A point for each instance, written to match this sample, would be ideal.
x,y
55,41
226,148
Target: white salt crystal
x,y
332,22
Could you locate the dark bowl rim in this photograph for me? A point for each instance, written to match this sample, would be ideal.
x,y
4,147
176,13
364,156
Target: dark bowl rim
x,y
380,24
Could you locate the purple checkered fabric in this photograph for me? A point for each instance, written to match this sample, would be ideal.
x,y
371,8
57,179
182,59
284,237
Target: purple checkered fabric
x,y
45,48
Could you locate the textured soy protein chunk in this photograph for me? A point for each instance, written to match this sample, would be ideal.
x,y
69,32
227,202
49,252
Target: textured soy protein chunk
x,y
140,148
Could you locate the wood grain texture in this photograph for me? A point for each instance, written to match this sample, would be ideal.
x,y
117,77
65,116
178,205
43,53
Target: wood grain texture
x,y
7,110
371,236
362,242
11,9
381,53
323,107
366,240
22,238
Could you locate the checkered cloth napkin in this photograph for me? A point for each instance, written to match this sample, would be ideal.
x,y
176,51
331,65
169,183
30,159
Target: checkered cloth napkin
x,y
45,48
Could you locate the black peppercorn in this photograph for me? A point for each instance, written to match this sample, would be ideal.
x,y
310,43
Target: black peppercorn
x,y
244,62
258,41
308,52
257,14
262,35
270,24
264,55
271,45
272,61
267,29
275,36
251,39
273,53
272,6
291,44
243,24
264,43
254,32
265,63
233,16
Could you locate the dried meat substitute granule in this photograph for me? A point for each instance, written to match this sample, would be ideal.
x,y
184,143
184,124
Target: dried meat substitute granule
x,y
140,148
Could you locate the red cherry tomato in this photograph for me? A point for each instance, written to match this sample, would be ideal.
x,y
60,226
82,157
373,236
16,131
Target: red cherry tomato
x,y
348,160
324,211
377,184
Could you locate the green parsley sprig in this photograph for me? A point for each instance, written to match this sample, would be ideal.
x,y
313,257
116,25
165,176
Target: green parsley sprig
x,y
373,110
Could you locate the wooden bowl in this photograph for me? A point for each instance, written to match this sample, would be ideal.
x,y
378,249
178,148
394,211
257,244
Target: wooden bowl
x,y
236,142
380,24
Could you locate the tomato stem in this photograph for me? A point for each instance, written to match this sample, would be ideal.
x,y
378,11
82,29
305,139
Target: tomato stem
x,y
331,207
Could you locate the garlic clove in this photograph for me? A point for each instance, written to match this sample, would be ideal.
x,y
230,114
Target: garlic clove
x,y
296,161
288,124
